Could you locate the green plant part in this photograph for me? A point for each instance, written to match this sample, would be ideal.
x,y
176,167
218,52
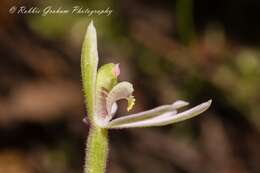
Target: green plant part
x,y
102,91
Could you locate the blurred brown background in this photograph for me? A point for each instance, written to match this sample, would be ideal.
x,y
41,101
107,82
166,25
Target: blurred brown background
x,y
169,50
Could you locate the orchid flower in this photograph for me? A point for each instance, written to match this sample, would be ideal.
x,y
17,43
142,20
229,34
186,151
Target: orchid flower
x,y
102,91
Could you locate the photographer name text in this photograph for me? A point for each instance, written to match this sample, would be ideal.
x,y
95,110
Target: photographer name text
x,y
50,10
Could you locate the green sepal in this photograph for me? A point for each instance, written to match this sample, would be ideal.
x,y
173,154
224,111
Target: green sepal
x,y
106,80
106,77
89,62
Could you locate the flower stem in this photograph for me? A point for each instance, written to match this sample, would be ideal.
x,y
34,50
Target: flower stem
x,y
96,150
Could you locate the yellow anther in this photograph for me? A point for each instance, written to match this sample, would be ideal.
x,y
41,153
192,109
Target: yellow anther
x,y
130,103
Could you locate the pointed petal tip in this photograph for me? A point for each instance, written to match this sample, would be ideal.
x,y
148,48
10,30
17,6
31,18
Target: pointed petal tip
x,y
91,24
204,106
180,103
208,103
91,28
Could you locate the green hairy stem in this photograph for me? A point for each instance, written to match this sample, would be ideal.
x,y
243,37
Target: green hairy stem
x,y
97,150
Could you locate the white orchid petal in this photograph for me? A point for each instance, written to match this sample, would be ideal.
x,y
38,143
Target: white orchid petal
x,y
165,119
122,90
114,109
144,115
143,123
150,113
